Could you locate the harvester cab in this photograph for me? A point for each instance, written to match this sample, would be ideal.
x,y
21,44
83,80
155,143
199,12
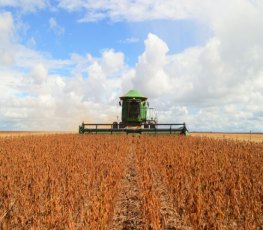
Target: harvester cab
x,y
134,109
136,117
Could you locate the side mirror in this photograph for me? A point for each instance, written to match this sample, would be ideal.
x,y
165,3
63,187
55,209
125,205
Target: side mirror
x,y
119,103
147,103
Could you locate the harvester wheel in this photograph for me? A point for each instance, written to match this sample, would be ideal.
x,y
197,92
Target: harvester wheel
x,y
81,130
121,125
115,125
184,131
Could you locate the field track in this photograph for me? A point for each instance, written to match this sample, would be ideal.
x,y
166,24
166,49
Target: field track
x,y
70,181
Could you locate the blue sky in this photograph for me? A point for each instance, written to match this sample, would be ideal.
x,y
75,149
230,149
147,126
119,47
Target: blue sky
x,y
72,36
67,61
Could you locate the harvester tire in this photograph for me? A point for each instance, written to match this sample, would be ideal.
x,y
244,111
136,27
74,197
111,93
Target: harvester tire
x,y
121,125
115,125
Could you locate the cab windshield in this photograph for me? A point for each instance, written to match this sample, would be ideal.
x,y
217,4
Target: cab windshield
x,y
134,109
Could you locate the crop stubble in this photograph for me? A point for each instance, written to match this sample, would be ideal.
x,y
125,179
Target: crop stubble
x,y
130,182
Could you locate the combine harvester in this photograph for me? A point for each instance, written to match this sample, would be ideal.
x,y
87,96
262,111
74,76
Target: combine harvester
x,y
136,117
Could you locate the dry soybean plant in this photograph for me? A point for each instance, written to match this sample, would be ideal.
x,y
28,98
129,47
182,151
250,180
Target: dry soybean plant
x,y
73,181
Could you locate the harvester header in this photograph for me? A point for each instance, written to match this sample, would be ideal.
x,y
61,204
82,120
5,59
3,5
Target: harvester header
x,y
136,117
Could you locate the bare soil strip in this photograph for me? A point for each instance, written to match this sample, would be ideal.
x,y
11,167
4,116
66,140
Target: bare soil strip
x,y
170,219
128,210
168,213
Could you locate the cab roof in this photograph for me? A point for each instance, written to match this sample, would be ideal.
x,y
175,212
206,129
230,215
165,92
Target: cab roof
x,y
133,93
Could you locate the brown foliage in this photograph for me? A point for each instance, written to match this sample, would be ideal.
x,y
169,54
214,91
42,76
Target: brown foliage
x,y
72,181
59,181
214,184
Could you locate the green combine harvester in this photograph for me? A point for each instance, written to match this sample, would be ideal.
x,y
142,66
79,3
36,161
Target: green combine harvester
x,y
136,117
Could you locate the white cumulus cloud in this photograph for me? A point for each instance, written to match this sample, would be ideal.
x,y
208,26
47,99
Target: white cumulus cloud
x,y
25,5
130,10
217,86
7,36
